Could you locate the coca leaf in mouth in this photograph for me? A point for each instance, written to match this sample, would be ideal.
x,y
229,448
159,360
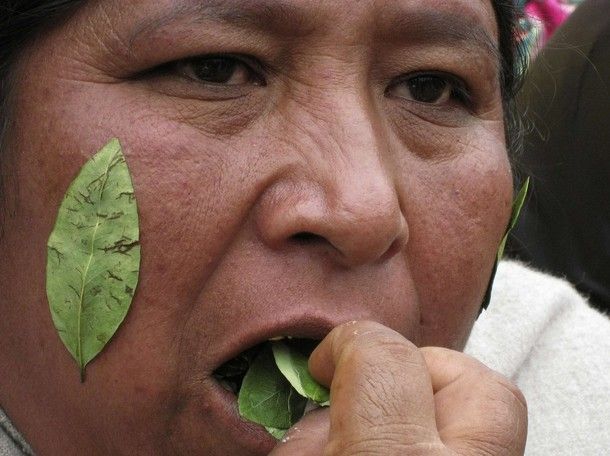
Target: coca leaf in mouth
x,y
273,385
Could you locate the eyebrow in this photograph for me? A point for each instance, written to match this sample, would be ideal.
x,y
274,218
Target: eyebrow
x,y
265,15
443,28
279,18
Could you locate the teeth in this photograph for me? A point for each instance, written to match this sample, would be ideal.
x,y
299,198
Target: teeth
x,y
275,339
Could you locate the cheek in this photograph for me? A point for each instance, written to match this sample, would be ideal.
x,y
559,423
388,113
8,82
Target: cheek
x,y
192,186
457,211
194,191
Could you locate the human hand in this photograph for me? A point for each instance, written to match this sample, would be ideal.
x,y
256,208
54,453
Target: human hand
x,y
389,397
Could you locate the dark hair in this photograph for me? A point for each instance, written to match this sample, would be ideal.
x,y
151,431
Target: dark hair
x,y
514,60
21,21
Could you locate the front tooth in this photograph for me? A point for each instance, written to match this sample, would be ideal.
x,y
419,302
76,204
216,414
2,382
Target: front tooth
x,y
275,339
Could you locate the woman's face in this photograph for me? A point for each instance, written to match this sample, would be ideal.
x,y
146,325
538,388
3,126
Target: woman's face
x,y
297,164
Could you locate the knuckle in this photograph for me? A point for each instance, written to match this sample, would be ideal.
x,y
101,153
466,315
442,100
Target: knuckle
x,y
509,391
516,393
507,421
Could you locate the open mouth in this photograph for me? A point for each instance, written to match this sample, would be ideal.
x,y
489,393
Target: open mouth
x,y
272,383
231,374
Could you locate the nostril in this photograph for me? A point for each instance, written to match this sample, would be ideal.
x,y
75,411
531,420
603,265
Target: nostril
x,y
394,248
306,238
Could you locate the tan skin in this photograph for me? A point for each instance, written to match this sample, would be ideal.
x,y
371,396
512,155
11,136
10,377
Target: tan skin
x,y
311,190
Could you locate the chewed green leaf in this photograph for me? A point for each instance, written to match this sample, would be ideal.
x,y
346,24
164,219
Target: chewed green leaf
x,y
266,397
293,364
277,433
93,255
516,210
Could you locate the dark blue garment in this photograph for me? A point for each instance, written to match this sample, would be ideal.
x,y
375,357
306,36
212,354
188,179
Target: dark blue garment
x,y
565,225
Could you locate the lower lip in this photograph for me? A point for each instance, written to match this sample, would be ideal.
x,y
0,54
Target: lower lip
x,y
250,436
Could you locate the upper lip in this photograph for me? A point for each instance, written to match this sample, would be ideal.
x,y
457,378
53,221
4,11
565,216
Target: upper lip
x,y
304,326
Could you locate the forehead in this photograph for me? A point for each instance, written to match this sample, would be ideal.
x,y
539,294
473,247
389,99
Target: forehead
x,y
385,19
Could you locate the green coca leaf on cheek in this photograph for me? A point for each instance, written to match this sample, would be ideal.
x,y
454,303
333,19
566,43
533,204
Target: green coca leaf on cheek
x,y
516,210
93,255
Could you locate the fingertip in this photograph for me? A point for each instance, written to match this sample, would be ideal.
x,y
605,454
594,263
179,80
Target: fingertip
x,y
308,437
321,364
323,359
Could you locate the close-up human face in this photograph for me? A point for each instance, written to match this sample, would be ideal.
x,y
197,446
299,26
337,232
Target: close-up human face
x,y
297,164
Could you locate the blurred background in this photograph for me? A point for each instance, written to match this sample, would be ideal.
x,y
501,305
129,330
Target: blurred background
x,y
565,106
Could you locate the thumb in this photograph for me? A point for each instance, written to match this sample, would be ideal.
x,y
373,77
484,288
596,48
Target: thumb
x,y
306,438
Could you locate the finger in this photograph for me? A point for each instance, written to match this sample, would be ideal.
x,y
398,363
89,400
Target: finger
x,y
381,395
306,438
478,411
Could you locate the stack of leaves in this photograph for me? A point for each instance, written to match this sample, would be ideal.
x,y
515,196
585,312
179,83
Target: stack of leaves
x,y
277,387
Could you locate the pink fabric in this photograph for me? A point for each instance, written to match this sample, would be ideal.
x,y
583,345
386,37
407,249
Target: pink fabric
x,y
549,12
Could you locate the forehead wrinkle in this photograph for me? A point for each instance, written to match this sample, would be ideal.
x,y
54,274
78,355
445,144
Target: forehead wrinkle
x,y
438,27
273,16
392,22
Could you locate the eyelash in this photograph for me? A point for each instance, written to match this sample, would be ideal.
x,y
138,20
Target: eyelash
x,y
257,70
460,92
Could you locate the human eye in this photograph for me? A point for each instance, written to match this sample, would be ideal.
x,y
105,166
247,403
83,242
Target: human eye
x,y
220,70
215,77
437,89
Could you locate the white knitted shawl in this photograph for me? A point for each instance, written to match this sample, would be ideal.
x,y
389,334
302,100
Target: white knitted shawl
x,y
541,333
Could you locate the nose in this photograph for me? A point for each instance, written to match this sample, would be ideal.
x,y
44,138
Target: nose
x,y
340,200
